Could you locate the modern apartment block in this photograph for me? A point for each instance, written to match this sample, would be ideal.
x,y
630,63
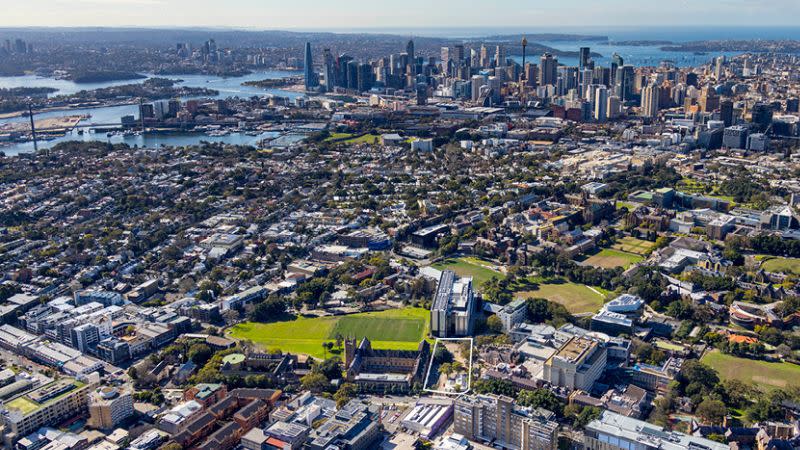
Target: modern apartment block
x,y
498,419
44,406
452,312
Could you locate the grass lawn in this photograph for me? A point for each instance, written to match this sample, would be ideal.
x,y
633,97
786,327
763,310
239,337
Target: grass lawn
x,y
399,329
338,137
22,404
365,139
628,205
480,270
760,373
609,259
577,298
789,266
632,245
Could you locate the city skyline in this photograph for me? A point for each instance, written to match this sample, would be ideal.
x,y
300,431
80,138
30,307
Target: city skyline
x,y
416,13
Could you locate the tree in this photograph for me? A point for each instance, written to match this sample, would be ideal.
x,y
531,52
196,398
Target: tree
x,y
540,398
346,392
270,309
315,382
494,324
200,354
172,446
711,410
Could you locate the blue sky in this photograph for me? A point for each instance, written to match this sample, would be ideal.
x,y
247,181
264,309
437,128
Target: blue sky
x,y
329,14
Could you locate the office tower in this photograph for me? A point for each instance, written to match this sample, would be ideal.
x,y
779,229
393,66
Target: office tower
x,y
410,51
422,94
650,101
726,112
548,66
792,105
364,77
352,75
458,54
508,425
445,55
625,82
601,103
484,59
691,79
585,77
584,57
330,70
308,69
393,59
613,107
616,63
477,82
719,63
342,67
500,56
108,407
531,73
709,101
761,115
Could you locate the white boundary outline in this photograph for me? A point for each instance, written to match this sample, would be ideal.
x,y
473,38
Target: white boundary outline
x,y
469,370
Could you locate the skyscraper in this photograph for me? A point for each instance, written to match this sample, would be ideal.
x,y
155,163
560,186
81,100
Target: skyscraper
x,y
548,69
584,57
650,101
410,51
500,56
445,56
484,56
330,70
726,112
601,103
616,63
625,82
308,69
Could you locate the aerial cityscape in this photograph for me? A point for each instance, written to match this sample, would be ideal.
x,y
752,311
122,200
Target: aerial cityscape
x,y
254,226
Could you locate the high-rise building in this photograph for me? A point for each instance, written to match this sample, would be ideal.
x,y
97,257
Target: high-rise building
x,y
458,54
548,66
726,112
484,57
330,70
649,104
410,51
500,56
616,63
625,82
761,115
453,308
108,407
445,56
352,75
308,69
601,104
735,137
342,64
584,57
498,419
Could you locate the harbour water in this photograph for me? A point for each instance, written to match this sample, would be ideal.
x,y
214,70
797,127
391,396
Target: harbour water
x,y
226,87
